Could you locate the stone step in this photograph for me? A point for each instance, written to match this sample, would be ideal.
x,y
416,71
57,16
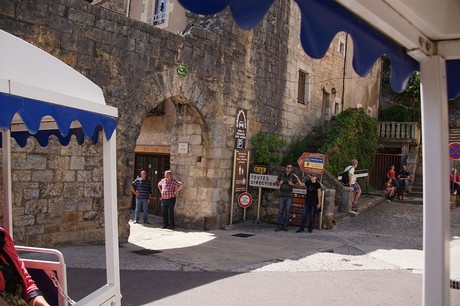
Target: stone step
x,y
366,202
410,199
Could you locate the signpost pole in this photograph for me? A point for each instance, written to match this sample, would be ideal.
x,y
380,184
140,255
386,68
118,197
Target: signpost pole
x,y
321,212
258,205
233,188
244,214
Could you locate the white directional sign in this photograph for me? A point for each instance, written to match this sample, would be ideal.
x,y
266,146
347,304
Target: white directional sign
x,y
263,181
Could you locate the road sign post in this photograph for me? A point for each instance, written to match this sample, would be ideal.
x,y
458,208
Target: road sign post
x,y
244,200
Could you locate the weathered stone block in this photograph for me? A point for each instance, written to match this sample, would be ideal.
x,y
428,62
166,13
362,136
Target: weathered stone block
x,y
65,175
58,162
35,162
347,195
29,194
21,176
85,204
73,189
35,229
24,220
81,17
44,176
84,176
93,190
77,163
70,217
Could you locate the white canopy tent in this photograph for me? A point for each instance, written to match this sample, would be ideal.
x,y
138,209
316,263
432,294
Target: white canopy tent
x,y
416,35
42,96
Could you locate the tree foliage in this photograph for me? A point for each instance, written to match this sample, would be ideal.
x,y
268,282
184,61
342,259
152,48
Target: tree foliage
x,y
309,143
409,98
353,135
267,149
397,113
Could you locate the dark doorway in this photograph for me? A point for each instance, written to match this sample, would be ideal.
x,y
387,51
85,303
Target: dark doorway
x,y
382,164
155,165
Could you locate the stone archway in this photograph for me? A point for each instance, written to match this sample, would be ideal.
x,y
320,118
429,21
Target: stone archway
x,y
196,142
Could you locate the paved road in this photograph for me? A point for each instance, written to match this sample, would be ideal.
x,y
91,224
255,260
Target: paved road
x,y
372,259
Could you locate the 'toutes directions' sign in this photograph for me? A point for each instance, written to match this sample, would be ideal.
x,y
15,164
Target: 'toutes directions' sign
x,y
263,181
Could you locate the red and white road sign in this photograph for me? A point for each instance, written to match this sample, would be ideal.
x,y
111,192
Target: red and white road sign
x,y
454,150
244,200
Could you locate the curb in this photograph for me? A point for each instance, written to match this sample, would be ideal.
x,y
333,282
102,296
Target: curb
x,y
367,204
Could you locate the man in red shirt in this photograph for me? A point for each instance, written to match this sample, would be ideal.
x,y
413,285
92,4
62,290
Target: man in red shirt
x,y
169,187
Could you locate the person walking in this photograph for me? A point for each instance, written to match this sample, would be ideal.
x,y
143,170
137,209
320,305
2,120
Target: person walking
x,y
286,180
312,204
169,187
352,182
142,189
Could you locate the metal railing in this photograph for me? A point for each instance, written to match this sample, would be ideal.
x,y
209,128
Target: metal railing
x,y
157,19
399,131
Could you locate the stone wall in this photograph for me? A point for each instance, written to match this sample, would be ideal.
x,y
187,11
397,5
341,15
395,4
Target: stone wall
x,y
135,65
57,193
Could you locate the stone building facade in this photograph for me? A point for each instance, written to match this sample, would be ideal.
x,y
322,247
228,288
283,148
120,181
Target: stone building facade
x,y
58,202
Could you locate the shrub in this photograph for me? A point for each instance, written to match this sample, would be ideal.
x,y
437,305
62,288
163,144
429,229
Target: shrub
x,y
397,113
267,149
311,143
352,135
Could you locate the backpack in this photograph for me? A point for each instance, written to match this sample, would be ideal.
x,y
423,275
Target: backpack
x,y
345,177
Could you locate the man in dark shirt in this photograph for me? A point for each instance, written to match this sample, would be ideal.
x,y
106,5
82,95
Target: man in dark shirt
x,y
286,180
142,188
404,179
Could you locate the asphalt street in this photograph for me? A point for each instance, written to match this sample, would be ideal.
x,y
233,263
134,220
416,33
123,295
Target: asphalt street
x,y
375,258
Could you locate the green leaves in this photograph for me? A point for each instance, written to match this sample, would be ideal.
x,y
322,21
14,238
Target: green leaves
x,y
353,135
309,143
267,149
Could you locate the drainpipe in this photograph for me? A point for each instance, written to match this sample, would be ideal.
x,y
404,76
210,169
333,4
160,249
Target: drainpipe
x,y
344,72
128,8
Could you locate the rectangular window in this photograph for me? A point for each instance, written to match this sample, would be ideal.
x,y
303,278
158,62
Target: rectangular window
x,y
342,48
336,108
303,90
159,12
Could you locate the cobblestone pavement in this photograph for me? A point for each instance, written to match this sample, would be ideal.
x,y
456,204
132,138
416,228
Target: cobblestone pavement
x,y
382,242
387,236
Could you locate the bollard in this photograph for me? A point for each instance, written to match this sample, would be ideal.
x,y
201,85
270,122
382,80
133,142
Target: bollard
x,y
453,201
347,195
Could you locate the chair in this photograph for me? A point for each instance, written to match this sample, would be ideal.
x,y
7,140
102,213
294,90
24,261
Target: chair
x,y
49,275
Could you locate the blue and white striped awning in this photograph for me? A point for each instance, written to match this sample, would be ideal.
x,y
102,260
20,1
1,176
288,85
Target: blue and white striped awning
x,y
41,96
323,19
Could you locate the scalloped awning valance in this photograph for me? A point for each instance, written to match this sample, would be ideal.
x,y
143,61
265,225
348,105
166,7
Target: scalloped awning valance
x,y
42,96
321,21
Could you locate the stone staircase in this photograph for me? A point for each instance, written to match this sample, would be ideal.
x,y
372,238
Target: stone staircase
x,y
417,186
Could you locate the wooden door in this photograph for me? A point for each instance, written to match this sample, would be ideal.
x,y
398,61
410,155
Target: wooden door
x,y
155,165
